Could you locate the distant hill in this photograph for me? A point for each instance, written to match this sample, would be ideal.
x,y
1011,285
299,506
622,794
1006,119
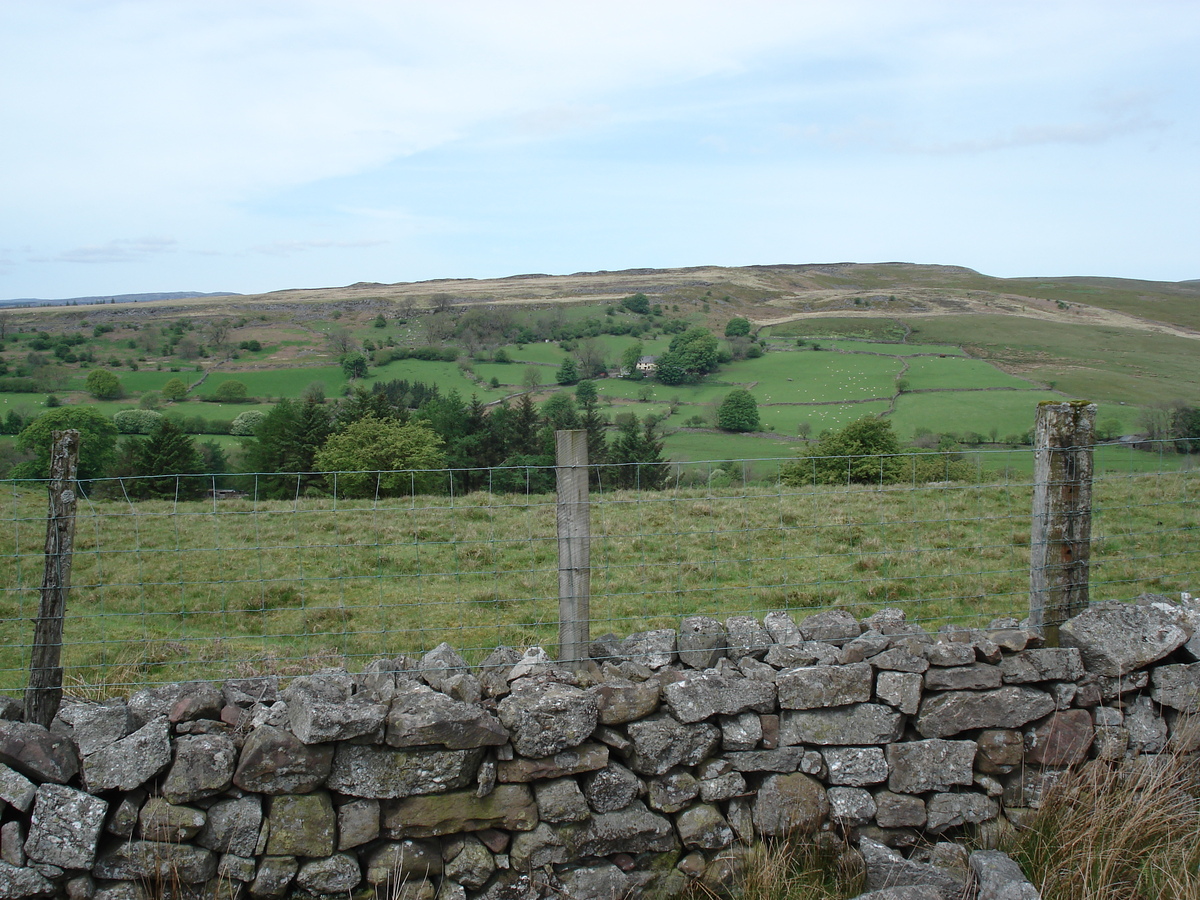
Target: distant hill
x,y
115,298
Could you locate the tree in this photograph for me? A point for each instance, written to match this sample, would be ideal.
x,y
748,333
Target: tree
x,y
231,391
531,378
629,360
864,452
381,455
287,441
639,303
560,413
689,357
354,364
175,390
738,411
1185,428
103,384
380,321
246,422
568,372
162,458
590,353
97,441
737,327
341,340
137,421
636,456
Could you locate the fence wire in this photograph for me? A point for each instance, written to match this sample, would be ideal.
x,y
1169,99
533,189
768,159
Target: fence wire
x,y
165,590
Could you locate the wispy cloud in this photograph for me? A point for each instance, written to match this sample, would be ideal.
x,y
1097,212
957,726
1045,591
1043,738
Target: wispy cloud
x,y
119,250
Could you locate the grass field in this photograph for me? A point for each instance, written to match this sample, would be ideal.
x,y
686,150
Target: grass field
x,y
204,589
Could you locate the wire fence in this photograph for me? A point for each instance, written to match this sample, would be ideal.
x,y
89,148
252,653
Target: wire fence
x,y
234,584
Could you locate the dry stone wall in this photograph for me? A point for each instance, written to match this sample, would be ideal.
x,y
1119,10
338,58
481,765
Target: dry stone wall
x,y
655,765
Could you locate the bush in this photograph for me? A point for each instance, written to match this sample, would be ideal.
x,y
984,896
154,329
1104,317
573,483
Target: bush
x,y
136,421
230,392
103,384
738,412
247,422
864,452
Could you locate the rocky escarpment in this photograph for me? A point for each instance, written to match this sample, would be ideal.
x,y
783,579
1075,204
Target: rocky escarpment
x,y
656,764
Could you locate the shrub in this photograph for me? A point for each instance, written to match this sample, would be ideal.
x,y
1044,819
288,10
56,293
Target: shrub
x,y
136,421
230,392
103,384
246,422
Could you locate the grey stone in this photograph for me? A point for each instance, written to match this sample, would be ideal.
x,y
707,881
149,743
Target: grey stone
x,y
1177,686
17,882
383,773
889,620
337,874
236,868
951,810
440,663
833,626
131,761
673,791
701,642
702,695
398,862
815,687
15,789
246,692
12,843
740,732
1117,638
722,787
1119,686
903,690
200,701
601,881
421,716
1110,743
156,702
156,861
1049,664
747,638
782,628
1028,786
274,876
634,829
932,765
899,810
788,804
561,800
509,806
654,649
543,846
357,823
65,827
661,742
233,826
494,670
855,766
950,653
1146,728
472,865
906,892
860,725
301,825
999,878
37,753
163,821
611,788
621,701
945,715
273,761
899,659
888,869
999,751
802,655
123,818
740,817
95,726
870,643
203,767
979,677
756,669
547,718
785,759
702,827
585,757
319,721
851,806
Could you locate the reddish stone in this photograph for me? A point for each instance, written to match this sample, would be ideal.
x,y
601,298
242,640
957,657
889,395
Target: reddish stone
x,y
1061,739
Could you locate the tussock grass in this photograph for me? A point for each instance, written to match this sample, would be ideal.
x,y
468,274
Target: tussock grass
x,y
796,869
205,589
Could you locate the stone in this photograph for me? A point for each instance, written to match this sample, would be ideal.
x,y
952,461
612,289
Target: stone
x,y
203,767
547,718
889,620
1146,728
1027,786
131,761
661,742
321,721
702,695
782,628
494,670
740,732
951,810
673,791
65,827
22,882
789,804
398,862
1110,743
740,816
999,878
902,690
785,759
1177,686
999,751
152,703
1119,686
163,821
802,655
123,818
509,806
860,725
233,826
421,716
95,726
933,765
440,663
747,638
885,868
156,861
833,626
851,806
274,761
621,701
15,789
899,659
722,787
202,701
12,844
301,825
236,868
274,876
543,846
380,773
560,800
855,766
611,788
357,823
654,649
1062,739
1049,664
634,829
815,687
905,892
37,753
337,874
950,653
978,677
702,827
701,642
1116,638
247,692
945,715
584,758
472,865
899,810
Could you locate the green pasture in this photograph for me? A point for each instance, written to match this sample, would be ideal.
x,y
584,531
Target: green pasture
x,y
958,372
787,419
825,327
1008,412
813,377
891,349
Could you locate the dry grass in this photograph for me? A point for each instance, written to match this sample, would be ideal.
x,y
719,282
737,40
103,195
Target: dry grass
x,y
798,869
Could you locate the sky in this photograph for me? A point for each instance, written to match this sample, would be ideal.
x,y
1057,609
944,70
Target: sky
x,y
250,146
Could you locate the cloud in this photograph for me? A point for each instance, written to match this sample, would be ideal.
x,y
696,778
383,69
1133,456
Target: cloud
x,y
116,251
291,248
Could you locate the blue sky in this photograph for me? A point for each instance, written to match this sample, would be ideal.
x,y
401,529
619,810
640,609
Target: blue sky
x,y
159,145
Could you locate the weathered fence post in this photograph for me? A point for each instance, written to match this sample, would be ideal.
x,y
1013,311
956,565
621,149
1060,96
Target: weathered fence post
x,y
44,692
1060,547
574,545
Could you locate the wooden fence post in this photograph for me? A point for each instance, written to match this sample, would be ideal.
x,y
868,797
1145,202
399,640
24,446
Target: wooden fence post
x,y
1060,546
574,545
44,692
